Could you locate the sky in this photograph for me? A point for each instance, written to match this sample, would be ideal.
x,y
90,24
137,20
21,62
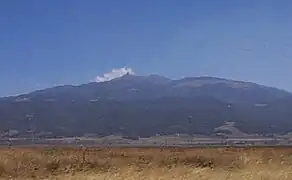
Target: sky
x,y
44,43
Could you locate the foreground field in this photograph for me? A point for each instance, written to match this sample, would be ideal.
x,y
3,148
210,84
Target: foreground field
x,y
146,163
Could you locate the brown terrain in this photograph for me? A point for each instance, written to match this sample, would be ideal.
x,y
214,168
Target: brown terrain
x,y
146,163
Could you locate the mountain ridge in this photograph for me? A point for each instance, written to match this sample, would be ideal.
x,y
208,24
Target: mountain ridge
x,y
188,82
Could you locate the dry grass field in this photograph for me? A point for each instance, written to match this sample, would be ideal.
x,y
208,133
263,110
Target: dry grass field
x,y
146,163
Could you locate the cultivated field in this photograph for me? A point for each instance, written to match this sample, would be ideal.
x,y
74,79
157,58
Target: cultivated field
x,y
146,163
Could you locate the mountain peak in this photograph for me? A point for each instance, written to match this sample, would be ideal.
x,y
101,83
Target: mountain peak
x,y
127,76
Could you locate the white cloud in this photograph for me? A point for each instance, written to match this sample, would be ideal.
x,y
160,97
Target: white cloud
x,y
115,73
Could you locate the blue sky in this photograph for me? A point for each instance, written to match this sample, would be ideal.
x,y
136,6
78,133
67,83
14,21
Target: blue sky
x,y
49,42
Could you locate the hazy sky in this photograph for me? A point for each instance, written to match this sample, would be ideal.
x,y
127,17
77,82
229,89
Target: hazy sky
x,y
48,42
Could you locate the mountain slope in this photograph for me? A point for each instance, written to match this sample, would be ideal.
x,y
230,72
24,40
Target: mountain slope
x,y
229,90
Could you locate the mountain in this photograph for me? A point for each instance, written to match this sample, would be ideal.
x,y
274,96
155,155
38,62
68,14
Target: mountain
x,y
130,87
148,105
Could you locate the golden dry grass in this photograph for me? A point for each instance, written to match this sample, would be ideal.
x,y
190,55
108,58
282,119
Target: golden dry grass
x,y
146,163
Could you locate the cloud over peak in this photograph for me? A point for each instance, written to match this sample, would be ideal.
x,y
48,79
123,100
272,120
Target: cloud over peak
x,y
115,73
